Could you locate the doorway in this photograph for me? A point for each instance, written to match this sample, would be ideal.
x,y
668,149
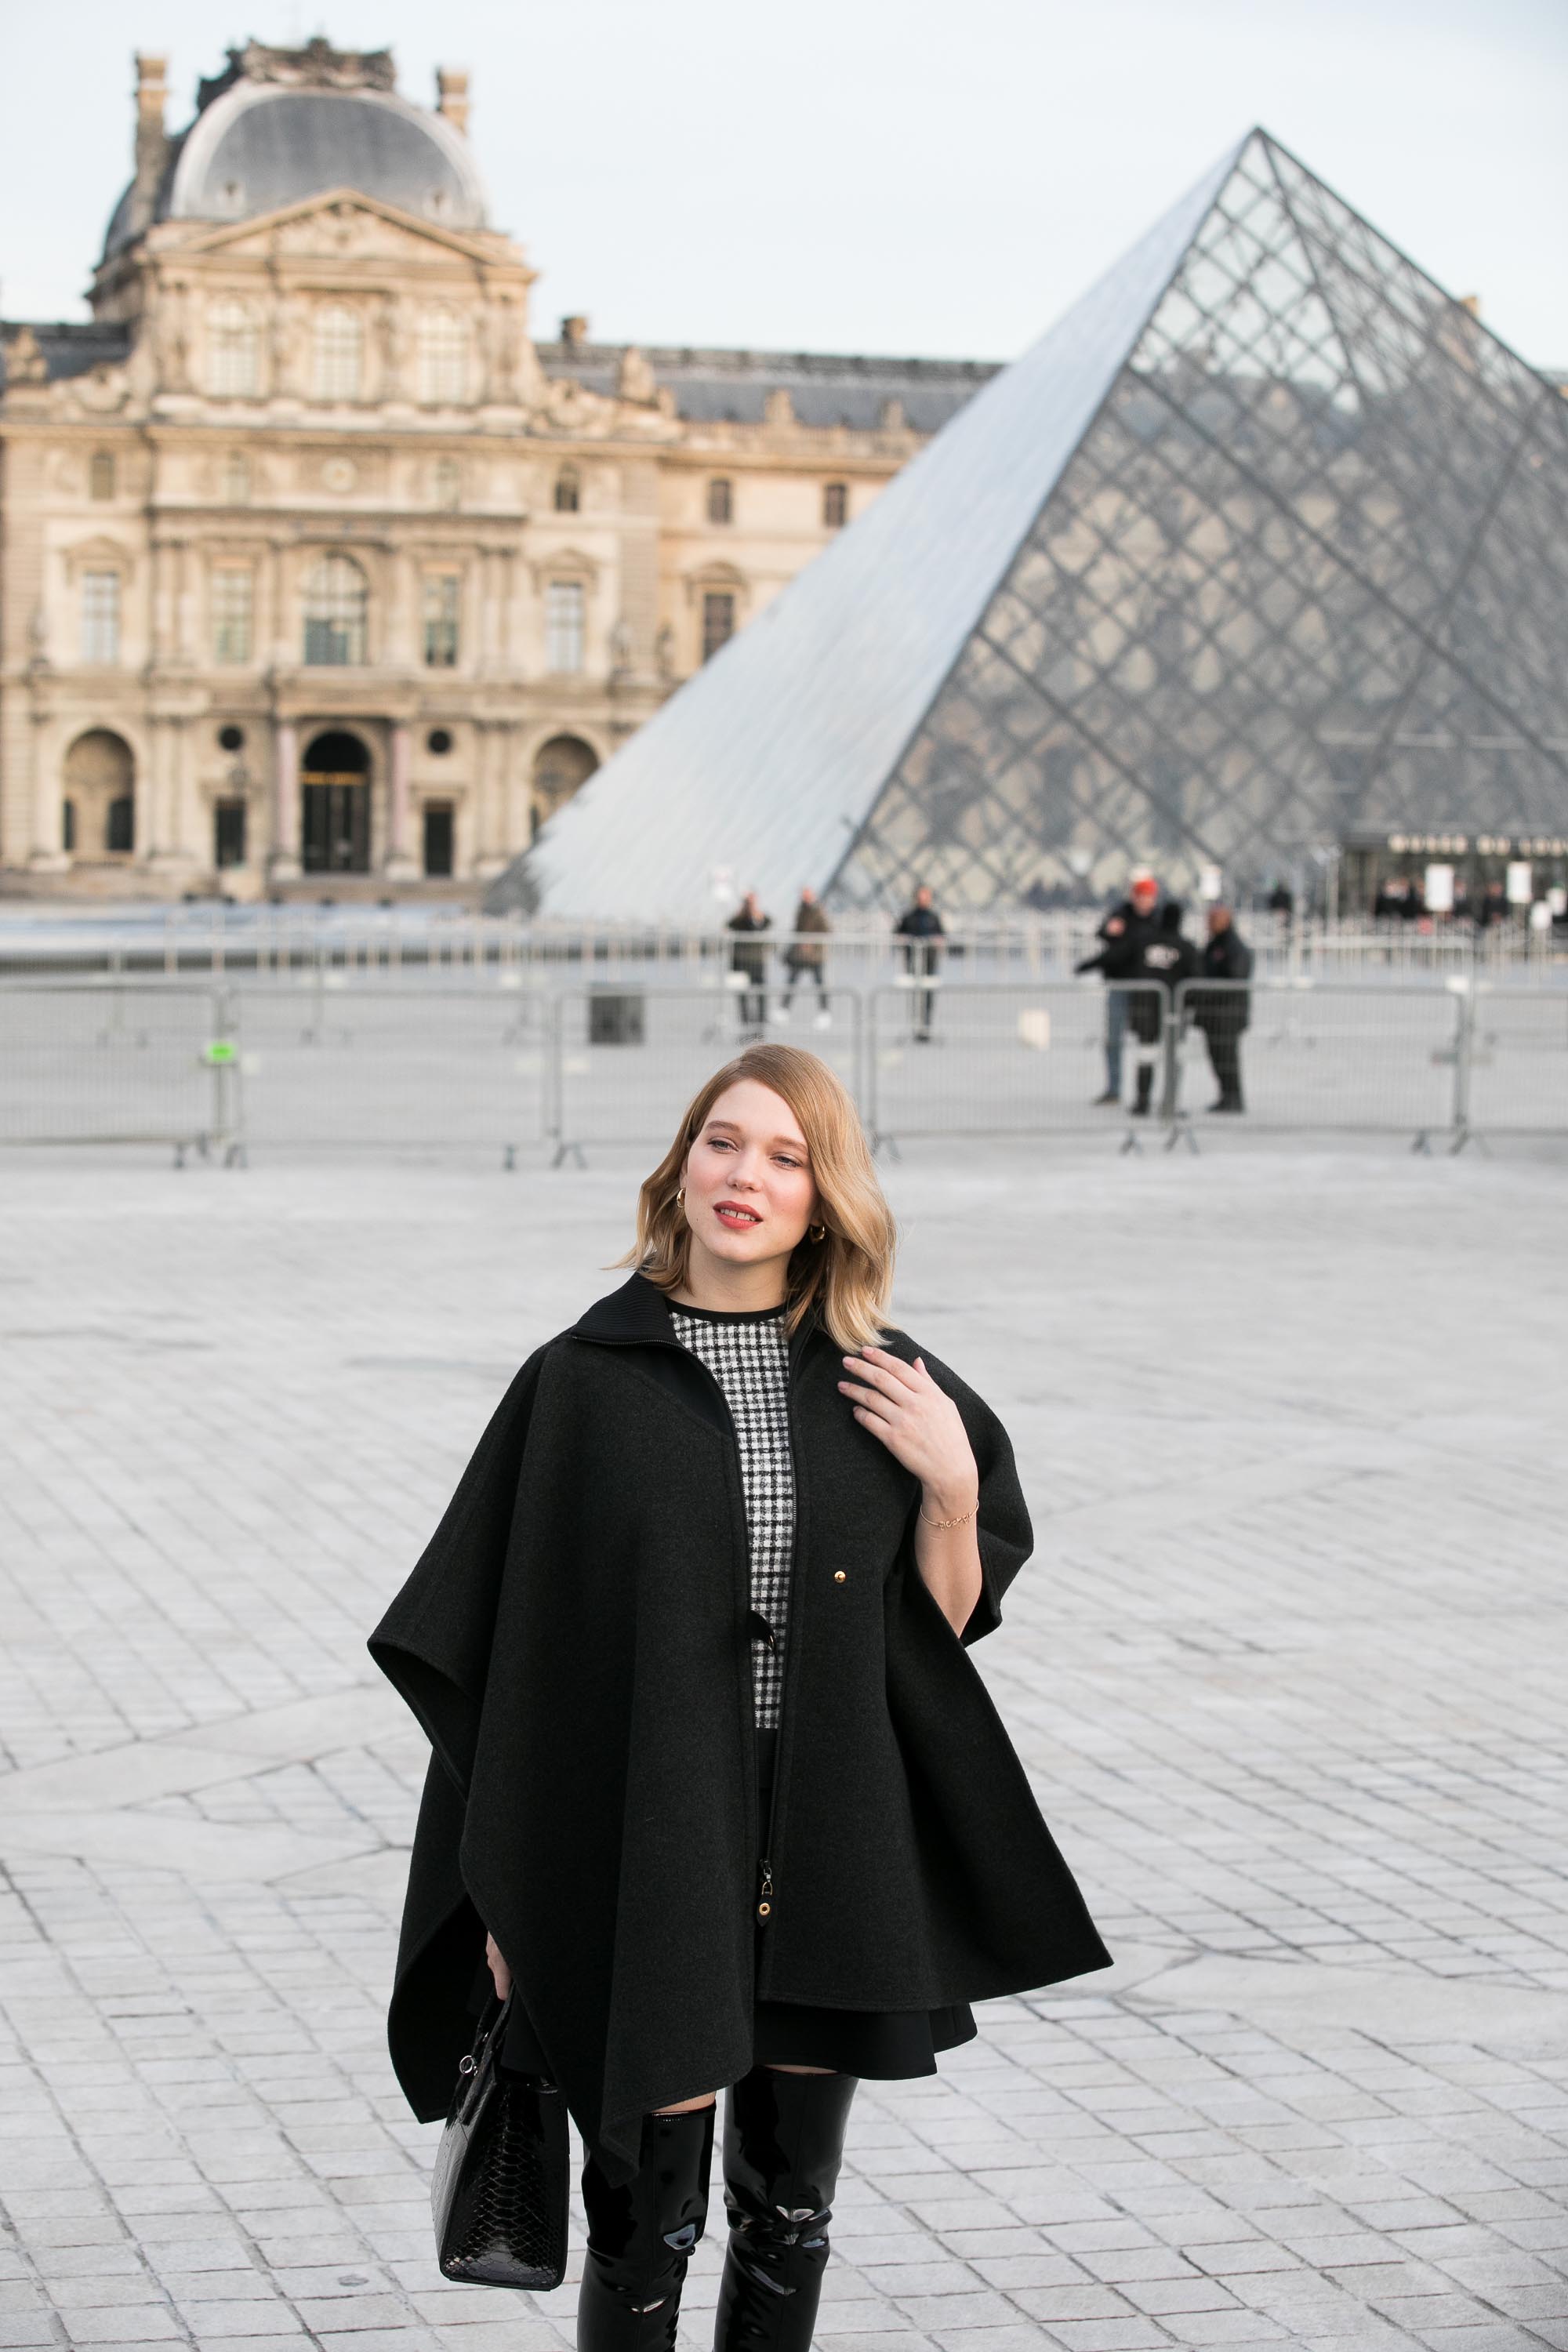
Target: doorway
x,y
334,814
438,838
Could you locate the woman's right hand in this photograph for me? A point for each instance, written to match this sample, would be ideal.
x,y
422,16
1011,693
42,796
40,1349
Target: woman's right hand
x,y
499,1972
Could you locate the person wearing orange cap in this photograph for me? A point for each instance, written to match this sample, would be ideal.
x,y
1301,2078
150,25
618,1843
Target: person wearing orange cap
x,y
1124,934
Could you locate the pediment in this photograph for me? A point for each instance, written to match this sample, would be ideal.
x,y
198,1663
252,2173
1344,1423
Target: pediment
x,y
341,224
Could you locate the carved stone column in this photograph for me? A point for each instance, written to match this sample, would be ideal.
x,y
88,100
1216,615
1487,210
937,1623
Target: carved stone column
x,y
399,865
283,864
49,856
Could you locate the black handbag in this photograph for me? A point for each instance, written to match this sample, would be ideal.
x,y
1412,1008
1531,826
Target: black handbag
x,y
497,2194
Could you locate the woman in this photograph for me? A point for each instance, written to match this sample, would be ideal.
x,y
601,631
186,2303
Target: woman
x,y
715,1785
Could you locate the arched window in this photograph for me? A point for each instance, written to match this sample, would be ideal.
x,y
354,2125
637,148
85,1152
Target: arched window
x,y
834,505
563,765
717,620
338,352
568,490
100,793
100,475
233,350
236,478
720,499
443,356
335,601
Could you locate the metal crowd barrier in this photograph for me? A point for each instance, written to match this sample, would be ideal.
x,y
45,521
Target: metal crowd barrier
x,y
1001,1059
1390,1059
396,1069
88,1063
298,1062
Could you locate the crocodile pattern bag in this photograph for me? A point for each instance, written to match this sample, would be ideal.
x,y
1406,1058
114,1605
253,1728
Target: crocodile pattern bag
x,y
498,2191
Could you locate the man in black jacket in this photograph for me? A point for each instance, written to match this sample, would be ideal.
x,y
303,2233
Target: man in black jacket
x,y
1222,1013
919,928
751,964
1165,960
1123,934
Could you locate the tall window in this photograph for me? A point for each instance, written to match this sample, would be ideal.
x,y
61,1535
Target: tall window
x,y
233,350
338,352
443,356
568,490
834,505
236,478
100,616
232,596
564,625
100,475
228,833
449,482
441,620
717,620
720,499
335,600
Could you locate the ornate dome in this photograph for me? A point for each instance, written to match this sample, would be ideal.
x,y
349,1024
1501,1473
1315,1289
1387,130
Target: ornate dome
x,y
282,124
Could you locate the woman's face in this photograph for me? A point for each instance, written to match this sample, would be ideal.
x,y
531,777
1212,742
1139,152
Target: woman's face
x,y
750,1194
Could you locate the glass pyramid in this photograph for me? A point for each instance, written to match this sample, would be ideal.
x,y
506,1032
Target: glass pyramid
x,y
1265,545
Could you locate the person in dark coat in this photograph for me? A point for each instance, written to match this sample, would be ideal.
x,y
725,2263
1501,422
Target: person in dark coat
x,y
715,1788
1123,934
750,959
804,958
1222,1013
1164,960
919,928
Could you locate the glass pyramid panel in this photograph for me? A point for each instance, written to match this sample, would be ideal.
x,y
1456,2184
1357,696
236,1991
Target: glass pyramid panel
x,y
1305,575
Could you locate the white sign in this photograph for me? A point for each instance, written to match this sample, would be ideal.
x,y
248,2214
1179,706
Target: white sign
x,y
1517,885
1541,916
1557,899
1211,884
1438,889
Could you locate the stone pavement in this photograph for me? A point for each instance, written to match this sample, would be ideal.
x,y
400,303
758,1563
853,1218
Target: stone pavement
x,y
1287,1668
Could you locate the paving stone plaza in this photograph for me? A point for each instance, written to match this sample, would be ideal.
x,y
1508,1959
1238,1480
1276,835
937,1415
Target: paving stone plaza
x,y
1287,1669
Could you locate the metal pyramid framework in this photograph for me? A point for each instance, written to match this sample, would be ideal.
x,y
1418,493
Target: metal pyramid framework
x,y
1264,545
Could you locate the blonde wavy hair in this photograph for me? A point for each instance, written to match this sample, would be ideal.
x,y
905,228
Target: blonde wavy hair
x,y
847,1277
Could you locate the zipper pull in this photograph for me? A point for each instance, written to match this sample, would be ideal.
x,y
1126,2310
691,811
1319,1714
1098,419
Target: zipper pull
x,y
765,1906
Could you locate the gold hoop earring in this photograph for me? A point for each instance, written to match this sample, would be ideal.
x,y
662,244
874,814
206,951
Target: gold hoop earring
x,y
817,1233
680,1197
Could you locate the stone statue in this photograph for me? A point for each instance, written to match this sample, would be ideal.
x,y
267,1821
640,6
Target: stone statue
x,y
637,380
621,648
25,360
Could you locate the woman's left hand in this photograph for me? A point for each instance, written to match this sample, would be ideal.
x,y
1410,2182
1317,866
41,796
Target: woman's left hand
x,y
917,1422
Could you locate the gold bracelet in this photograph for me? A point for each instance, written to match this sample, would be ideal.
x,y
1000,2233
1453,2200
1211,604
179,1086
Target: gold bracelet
x,y
961,1520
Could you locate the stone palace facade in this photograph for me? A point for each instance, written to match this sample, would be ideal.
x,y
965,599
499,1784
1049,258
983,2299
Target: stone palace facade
x,y
315,564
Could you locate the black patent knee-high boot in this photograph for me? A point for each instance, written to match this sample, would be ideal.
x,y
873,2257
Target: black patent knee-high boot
x,y
784,2142
640,2237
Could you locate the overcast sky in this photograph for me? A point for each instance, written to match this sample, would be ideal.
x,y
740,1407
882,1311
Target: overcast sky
x,y
871,176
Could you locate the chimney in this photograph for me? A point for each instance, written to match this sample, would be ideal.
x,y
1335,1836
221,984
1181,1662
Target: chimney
x,y
151,145
1472,303
452,97
574,333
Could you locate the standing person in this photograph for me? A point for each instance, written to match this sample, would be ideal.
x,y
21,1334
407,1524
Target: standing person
x,y
804,958
919,928
1164,960
751,962
1222,1013
1123,935
716,1791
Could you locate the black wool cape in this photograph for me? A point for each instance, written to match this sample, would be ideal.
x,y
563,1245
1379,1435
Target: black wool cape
x,y
576,1641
